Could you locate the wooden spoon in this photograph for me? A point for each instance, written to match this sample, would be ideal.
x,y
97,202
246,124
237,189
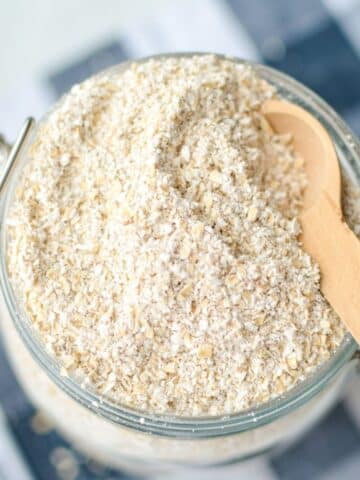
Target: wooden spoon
x,y
325,235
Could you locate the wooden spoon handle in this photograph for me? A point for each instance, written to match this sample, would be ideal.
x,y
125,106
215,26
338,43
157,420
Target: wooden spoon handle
x,y
336,249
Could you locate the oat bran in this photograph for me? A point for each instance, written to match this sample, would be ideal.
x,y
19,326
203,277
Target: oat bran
x,y
153,241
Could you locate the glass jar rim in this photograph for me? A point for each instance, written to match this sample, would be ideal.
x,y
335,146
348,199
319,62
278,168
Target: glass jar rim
x,y
204,426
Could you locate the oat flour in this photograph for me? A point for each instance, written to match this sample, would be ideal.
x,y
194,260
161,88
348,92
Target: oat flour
x,y
153,241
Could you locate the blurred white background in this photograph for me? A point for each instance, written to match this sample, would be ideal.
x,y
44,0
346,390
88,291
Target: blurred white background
x,y
39,35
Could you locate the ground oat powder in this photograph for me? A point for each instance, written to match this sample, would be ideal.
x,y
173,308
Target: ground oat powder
x,y
153,241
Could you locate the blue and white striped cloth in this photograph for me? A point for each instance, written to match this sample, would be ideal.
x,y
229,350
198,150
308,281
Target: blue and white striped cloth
x,y
317,42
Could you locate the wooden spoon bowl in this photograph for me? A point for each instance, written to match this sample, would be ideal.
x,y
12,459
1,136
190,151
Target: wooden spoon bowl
x,y
325,235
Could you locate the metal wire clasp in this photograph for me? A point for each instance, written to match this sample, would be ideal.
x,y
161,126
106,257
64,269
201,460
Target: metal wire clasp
x,y
11,160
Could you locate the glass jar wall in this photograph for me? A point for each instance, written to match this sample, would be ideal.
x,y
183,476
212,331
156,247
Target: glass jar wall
x,y
141,441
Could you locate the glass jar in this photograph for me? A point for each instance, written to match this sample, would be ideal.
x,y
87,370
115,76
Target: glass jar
x,y
141,441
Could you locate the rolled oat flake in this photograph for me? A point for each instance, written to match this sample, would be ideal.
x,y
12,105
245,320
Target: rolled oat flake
x,y
153,241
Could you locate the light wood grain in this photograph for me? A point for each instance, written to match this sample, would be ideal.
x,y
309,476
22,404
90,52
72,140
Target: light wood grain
x,y
325,235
